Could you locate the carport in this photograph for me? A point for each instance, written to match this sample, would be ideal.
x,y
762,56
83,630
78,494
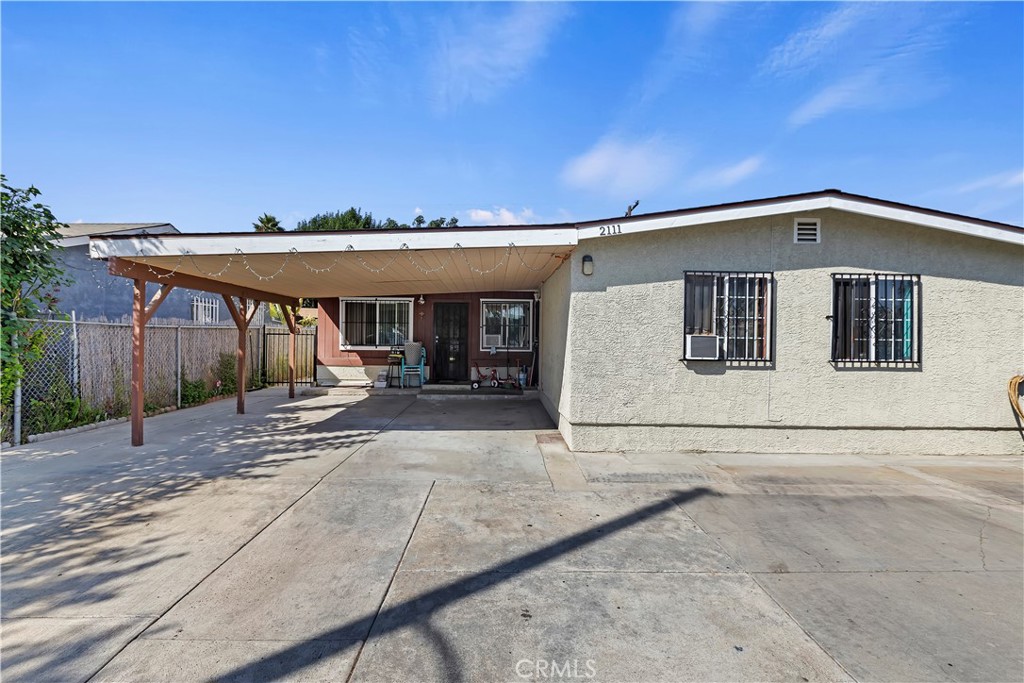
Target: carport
x,y
282,268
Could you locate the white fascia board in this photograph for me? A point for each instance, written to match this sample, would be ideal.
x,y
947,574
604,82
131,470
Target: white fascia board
x,y
613,227
313,243
929,220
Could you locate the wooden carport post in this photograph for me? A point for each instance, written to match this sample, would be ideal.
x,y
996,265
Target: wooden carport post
x,y
141,313
290,319
242,316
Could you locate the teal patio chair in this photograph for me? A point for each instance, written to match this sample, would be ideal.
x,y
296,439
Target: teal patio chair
x,y
414,362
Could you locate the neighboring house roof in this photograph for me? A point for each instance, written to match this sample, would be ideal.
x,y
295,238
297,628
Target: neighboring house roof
x,y
77,234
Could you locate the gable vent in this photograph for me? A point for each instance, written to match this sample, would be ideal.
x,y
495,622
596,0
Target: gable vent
x,y
807,231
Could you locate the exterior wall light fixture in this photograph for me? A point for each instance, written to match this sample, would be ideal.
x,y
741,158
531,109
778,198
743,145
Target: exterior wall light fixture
x,y
588,265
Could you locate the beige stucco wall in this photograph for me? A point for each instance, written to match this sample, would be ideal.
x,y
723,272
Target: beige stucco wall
x,y
631,391
554,349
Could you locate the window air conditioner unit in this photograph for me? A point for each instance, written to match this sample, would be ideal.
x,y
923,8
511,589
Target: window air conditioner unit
x,y
702,347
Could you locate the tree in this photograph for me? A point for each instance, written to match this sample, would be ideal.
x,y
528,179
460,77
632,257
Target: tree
x,y
442,222
267,223
30,275
353,219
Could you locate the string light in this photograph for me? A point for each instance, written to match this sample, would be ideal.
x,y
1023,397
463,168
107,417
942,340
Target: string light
x,y
425,271
220,272
245,262
164,274
240,257
527,265
502,262
313,270
368,267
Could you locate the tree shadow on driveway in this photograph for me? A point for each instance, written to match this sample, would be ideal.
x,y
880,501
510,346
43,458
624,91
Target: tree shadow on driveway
x,y
92,529
417,612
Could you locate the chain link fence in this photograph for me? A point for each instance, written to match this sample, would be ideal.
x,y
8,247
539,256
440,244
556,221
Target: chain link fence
x,y
84,373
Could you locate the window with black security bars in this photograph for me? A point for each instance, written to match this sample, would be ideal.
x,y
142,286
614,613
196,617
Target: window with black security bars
x,y
375,322
728,315
876,319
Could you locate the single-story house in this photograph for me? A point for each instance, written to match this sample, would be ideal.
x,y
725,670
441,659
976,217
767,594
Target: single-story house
x,y
94,294
818,322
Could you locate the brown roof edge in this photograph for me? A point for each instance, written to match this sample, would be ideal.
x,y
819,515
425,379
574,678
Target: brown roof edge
x,y
458,228
619,219
806,195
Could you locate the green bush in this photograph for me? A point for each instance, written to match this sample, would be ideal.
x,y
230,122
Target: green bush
x,y
194,392
226,366
59,410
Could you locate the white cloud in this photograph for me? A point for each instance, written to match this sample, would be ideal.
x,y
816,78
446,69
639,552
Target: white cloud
x,y
417,211
623,168
729,175
1000,181
864,56
806,47
479,54
683,47
883,88
852,92
500,215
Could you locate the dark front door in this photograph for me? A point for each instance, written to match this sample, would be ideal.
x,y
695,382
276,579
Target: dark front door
x,y
451,342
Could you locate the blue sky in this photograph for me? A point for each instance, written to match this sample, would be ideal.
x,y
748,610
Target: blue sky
x,y
207,114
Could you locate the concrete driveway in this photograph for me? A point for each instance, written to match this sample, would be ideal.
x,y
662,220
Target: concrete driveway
x,y
389,538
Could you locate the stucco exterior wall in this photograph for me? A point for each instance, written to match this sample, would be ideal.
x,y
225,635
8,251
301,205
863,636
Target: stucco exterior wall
x,y
554,349
631,391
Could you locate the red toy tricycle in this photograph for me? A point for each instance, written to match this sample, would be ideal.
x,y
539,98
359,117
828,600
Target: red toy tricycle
x,y
510,382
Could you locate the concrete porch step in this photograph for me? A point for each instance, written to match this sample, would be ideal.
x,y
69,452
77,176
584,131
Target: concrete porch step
x,y
443,392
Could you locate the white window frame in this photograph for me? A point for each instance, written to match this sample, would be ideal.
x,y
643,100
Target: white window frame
x,y
720,297
343,343
529,324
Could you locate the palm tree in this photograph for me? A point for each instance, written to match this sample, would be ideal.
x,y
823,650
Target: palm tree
x,y
267,223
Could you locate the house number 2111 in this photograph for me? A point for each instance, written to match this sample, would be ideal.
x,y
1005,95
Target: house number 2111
x,y
611,230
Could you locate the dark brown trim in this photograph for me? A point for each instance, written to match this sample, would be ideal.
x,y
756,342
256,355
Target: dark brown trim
x,y
143,271
839,194
292,233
